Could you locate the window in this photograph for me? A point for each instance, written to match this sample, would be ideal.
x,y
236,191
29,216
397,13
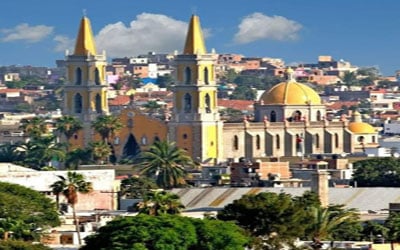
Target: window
x,y
258,142
273,116
235,142
185,136
130,123
97,76
98,104
187,103
78,76
206,76
318,115
373,139
207,103
336,140
143,140
188,74
316,138
78,103
278,142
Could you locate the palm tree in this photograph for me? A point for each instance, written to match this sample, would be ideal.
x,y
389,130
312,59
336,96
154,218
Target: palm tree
x,y
34,127
325,220
166,162
160,202
68,125
78,156
72,185
39,151
106,125
100,151
350,79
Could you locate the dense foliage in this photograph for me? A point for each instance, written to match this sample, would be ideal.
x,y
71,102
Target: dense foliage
x,y
23,210
377,172
172,232
21,245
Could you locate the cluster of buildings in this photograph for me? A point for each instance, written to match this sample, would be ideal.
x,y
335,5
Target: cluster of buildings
x,y
292,133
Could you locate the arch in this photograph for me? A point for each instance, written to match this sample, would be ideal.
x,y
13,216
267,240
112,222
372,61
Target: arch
x,y
144,140
206,76
131,148
236,142
272,116
98,104
156,138
187,103
97,76
336,140
78,103
278,142
130,123
78,76
188,75
319,118
207,103
258,142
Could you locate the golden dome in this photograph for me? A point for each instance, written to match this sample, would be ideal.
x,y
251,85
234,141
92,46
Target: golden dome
x,y
361,128
292,93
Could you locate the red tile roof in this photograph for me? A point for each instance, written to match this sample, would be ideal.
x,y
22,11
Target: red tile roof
x,y
236,104
339,104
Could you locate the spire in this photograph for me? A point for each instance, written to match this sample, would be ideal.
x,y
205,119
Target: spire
x,y
85,40
356,116
194,40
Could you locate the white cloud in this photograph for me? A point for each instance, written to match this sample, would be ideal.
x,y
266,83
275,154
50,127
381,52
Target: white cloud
x,y
258,26
149,32
24,32
63,43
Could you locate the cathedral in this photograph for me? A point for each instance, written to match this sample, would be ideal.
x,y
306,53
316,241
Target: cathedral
x,y
289,119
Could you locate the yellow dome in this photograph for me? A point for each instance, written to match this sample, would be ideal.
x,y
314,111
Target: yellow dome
x,y
292,93
361,128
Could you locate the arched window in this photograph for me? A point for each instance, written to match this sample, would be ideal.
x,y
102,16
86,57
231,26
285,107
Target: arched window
x,y
97,76
278,142
98,104
258,142
78,76
316,140
206,76
188,75
78,103
187,103
318,115
207,103
373,139
143,140
235,142
272,116
156,138
336,140
297,116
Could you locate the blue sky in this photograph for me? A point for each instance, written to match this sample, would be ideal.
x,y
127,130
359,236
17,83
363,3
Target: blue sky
x,y
363,32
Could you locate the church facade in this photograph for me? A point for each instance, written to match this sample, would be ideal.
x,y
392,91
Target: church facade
x,y
289,119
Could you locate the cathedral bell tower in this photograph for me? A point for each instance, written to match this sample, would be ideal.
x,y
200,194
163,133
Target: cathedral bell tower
x,y
85,91
195,123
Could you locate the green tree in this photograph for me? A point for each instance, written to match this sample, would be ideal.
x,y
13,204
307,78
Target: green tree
x,y
40,151
159,203
350,79
21,245
165,81
152,106
144,232
392,223
326,221
106,126
136,187
68,125
71,186
10,153
23,209
166,162
243,93
101,151
78,156
34,127
276,219
377,172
